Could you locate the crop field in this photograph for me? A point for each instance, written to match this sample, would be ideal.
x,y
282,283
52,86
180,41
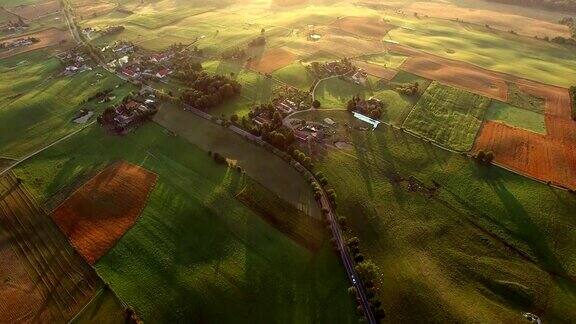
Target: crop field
x,y
516,117
295,75
103,308
42,279
389,60
365,27
261,165
272,60
196,248
96,215
42,108
448,116
47,37
486,237
490,49
303,229
549,157
502,20
455,73
37,10
376,70
22,73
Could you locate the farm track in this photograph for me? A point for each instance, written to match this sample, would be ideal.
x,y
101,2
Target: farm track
x,y
60,276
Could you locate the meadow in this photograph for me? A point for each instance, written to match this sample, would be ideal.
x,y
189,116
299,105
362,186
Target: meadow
x,y
448,116
295,75
196,250
516,117
489,48
484,246
43,104
260,164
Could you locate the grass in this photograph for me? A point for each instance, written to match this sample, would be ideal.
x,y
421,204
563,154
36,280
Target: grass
x,y
256,88
295,75
41,109
334,93
448,116
261,165
197,250
499,51
488,245
516,117
103,308
521,99
389,60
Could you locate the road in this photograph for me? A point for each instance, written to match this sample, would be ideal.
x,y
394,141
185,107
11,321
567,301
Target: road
x,y
324,202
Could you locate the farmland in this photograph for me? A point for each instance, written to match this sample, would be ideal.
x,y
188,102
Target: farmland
x,y
97,215
196,248
42,278
483,238
46,109
462,198
448,116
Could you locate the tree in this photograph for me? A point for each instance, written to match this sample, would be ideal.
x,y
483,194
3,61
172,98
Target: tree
x,y
316,104
234,118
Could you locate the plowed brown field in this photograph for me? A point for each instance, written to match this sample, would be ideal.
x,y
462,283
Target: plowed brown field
x,y
47,37
550,157
42,279
272,60
97,215
368,27
458,74
35,11
377,70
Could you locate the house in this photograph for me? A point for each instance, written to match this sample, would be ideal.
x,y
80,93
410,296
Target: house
x,y
285,106
259,120
157,58
130,72
359,77
302,136
162,73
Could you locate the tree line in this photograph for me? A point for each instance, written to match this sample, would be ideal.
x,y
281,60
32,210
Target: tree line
x,y
206,91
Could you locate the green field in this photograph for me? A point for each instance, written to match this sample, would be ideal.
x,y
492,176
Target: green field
x,y
197,250
43,111
499,51
448,116
259,164
334,93
389,60
516,117
103,308
295,75
486,246
521,99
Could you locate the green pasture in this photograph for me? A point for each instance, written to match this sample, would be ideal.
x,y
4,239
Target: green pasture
x,y
495,50
487,245
43,113
521,99
448,116
334,93
260,164
390,60
516,117
295,75
196,250
104,307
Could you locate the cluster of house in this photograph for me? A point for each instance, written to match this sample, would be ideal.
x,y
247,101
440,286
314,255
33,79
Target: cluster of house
x,y
75,60
129,113
21,42
155,66
310,131
348,70
284,106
